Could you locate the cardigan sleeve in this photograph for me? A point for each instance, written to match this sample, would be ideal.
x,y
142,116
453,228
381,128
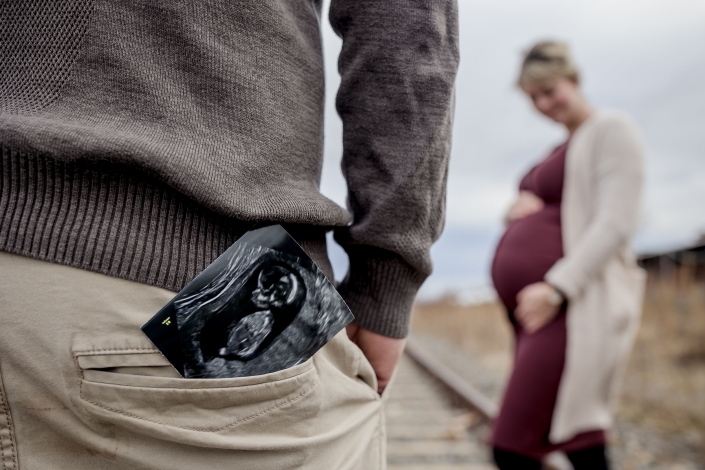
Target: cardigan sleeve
x,y
397,68
618,177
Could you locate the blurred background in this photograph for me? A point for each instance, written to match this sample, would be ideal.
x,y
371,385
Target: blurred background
x,y
646,57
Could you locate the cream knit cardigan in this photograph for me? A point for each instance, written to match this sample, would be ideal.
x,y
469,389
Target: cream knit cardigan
x,y
598,274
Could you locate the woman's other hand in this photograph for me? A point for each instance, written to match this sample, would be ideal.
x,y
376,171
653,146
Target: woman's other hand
x,y
526,204
534,309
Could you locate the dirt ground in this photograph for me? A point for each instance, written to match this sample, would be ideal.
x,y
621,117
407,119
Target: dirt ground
x,y
661,415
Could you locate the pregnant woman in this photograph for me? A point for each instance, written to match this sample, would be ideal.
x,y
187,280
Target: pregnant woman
x,y
566,274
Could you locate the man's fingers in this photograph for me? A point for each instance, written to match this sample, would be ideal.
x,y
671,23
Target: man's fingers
x,y
383,353
382,384
351,330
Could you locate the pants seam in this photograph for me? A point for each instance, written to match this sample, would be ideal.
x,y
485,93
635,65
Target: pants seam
x,y
382,437
7,443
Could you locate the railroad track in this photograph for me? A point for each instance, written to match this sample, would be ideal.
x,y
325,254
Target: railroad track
x,y
438,421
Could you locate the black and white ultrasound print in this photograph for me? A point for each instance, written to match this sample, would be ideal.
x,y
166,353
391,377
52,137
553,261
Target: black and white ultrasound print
x,y
265,311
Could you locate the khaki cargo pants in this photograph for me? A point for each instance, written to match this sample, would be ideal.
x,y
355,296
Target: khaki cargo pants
x,y
82,388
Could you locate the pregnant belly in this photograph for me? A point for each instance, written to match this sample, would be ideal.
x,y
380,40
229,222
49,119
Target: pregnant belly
x,y
527,250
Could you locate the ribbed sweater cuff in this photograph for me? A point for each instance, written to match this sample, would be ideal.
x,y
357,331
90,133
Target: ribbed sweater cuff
x,y
380,289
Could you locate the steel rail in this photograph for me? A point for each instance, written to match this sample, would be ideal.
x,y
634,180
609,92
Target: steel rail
x,y
469,395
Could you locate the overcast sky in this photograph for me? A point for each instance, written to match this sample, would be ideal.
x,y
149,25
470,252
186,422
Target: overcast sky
x,y
646,57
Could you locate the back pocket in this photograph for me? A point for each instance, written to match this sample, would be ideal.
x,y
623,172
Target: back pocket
x,y
140,385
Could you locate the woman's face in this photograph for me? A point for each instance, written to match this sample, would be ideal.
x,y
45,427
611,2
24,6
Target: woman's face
x,y
557,99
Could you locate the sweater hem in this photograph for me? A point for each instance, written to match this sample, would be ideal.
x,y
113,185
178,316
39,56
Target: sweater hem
x,y
117,222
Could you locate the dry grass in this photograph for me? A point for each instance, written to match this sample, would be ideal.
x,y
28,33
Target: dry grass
x,y
664,385
665,381
481,330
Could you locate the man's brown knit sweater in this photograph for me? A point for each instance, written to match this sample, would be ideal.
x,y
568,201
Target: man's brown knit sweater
x,y
139,138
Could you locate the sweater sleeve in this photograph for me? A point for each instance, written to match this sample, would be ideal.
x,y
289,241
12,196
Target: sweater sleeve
x,y
618,176
397,65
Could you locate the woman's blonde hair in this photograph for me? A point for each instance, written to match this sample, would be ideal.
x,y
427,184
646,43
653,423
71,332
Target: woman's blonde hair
x,y
547,60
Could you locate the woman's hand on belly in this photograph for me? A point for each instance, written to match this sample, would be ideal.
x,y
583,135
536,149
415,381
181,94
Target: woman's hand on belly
x,y
534,311
526,204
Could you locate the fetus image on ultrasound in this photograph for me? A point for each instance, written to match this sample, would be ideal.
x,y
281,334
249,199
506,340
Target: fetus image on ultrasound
x,y
273,296
265,311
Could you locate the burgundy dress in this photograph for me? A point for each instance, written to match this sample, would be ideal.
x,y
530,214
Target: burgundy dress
x,y
529,248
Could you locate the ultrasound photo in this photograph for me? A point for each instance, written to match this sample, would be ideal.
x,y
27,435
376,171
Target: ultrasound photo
x,y
261,307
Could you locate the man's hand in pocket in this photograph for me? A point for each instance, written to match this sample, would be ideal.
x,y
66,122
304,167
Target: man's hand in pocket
x,y
383,352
